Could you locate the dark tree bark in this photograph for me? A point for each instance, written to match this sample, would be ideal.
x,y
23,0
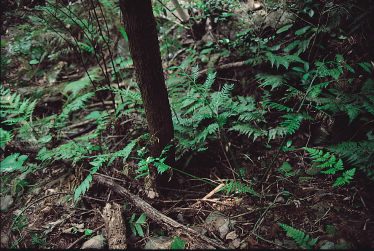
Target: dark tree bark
x,y
140,26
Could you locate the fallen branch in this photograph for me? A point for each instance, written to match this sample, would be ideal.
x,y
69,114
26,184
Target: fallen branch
x,y
170,224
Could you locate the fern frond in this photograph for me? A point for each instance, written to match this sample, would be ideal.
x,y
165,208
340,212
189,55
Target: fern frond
x,y
124,153
238,187
302,239
209,81
75,105
12,163
248,130
5,137
274,81
277,106
277,132
292,122
346,178
85,185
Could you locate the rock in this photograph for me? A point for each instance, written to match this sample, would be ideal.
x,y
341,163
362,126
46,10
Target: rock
x,y
199,229
218,222
96,242
158,242
244,245
327,245
6,202
231,236
234,244
280,199
4,240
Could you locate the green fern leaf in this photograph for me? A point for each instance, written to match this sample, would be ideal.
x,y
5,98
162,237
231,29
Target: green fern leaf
x,y
346,178
5,137
302,239
274,81
13,162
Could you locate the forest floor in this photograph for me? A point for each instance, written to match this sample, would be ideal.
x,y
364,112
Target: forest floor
x,y
39,214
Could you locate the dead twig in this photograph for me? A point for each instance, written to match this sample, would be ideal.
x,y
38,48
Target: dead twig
x,y
154,214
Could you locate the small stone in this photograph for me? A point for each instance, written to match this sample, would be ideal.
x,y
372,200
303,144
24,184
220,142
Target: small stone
x,y
4,240
327,245
17,212
218,222
231,236
280,199
244,245
199,229
96,242
235,243
6,202
180,217
158,242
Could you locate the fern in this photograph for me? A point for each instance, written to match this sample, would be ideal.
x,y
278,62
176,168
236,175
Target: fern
x,y
14,109
346,178
302,239
13,162
360,154
124,153
84,186
74,151
277,106
274,81
5,137
284,60
286,170
292,122
248,130
73,88
277,132
201,112
327,160
238,187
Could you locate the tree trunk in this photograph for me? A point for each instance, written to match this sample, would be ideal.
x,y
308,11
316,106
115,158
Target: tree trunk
x,y
140,26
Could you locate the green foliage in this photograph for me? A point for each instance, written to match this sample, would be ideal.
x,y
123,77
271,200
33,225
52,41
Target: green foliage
x,y
38,240
97,162
238,187
136,226
19,222
13,162
332,165
5,137
201,114
84,186
75,105
178,243
286,170
149,162
302,239
273,81
292,122
346,178
282,60
14,109
73,88
360,154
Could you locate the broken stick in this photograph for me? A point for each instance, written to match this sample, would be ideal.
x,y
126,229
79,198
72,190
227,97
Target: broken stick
x,y
196,238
